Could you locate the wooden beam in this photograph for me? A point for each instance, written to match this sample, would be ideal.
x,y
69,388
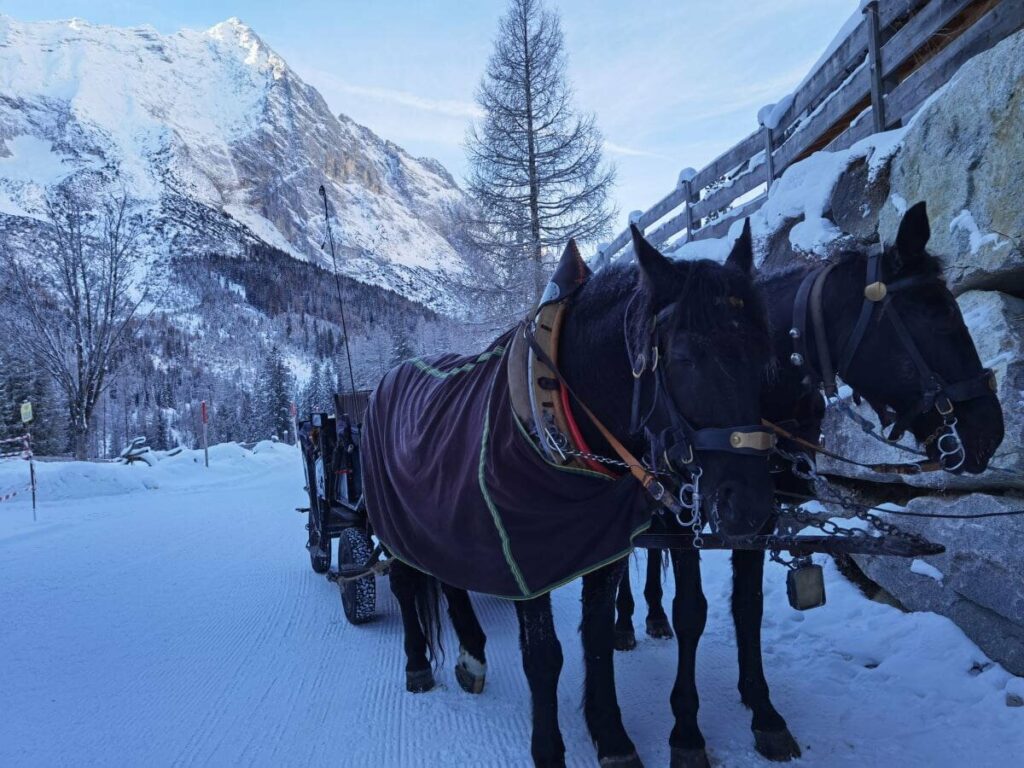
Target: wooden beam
x,y
838,107
1000,22
720,226
731,158
721,197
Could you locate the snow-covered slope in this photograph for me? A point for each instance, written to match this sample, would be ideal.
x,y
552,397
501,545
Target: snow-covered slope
x,y
224,141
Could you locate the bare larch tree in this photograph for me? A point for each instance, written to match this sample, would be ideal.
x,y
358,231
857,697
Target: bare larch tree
x,y
536,170
72,298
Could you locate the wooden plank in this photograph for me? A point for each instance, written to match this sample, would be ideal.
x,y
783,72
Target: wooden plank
x,y
906,42
671,227
725,162
672,200
720,198
668,203
1002,21
856,90
832,72
858,130
720,227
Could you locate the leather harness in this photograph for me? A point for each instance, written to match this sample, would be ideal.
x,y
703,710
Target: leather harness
x,y
540,397
935,391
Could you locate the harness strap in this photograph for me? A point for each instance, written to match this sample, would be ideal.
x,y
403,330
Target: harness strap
x,y
647,480
912,468
828,377
867,309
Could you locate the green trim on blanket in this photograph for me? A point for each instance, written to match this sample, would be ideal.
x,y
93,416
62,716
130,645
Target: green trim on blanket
x,y
590,569
506,546
464,368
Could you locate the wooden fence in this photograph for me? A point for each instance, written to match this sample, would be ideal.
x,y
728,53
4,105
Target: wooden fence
x,y
875,79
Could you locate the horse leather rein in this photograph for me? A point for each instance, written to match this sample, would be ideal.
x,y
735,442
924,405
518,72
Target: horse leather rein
x,y
745,439
936,392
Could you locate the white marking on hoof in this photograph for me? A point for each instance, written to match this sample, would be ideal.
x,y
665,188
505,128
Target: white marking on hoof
x,y
471,664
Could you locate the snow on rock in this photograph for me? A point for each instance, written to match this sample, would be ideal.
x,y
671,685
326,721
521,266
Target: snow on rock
x,y
225,144
921,568
964,155
189,612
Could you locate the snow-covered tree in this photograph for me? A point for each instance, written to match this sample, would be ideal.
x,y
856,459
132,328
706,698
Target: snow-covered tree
x,y
274,396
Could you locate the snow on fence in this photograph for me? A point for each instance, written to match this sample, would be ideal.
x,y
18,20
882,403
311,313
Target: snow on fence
x,y
885,63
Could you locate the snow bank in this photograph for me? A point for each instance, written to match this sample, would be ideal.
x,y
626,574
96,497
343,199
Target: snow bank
x,y
62,484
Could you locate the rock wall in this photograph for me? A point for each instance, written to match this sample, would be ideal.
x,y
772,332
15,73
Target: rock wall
x,y
964,155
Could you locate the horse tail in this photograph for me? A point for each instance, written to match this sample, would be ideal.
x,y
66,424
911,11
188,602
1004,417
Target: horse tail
x,y
428,609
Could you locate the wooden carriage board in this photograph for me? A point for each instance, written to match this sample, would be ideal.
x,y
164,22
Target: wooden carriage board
x,y
455,487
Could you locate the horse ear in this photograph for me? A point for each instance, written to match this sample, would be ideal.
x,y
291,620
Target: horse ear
x,y
913,235
655,268
742,255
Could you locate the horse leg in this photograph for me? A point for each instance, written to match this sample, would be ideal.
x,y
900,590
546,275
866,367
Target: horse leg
x,y
542,662
689,615
600,705
471,667
625,637
771,736
657,621
405,582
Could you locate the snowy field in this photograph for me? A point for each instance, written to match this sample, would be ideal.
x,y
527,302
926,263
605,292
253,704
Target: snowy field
x,y
168,616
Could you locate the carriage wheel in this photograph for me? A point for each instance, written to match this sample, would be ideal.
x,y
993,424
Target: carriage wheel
x,y
358,598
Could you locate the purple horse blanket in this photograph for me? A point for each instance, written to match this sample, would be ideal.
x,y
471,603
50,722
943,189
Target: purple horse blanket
x,y
456,488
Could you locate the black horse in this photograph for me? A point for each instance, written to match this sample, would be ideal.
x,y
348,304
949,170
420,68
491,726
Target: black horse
x,y
711,337
915,364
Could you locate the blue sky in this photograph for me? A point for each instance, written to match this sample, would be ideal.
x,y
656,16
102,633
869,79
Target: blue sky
x,y
673,82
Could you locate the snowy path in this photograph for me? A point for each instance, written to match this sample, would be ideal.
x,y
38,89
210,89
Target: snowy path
x,y
182,626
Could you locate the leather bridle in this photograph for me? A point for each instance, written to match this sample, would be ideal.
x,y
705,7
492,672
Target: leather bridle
x,y
936,392
678,447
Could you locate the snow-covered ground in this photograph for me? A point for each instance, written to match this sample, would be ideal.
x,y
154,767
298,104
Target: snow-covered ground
x,y
168,616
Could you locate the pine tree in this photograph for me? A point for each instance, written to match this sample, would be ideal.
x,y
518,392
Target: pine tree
x,y
536,171
273,397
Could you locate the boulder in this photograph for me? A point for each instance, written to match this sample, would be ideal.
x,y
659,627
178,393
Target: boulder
x,y
977,582
964,155
996,323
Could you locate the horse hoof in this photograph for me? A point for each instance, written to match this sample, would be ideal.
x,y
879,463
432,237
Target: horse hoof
x,y
689,758
419,681
779,746
625,639
658,627
621,761
470,672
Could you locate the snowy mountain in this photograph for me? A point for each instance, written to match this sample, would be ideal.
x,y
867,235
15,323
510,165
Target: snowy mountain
x,y
225,144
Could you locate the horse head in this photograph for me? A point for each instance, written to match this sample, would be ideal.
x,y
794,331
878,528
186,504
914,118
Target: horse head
x,y
916,364
709,341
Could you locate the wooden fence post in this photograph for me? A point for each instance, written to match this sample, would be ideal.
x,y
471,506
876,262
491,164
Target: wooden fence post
x,y
686,177
769,160
875,65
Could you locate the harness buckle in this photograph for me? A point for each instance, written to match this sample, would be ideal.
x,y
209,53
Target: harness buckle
x,y
948,410
641,365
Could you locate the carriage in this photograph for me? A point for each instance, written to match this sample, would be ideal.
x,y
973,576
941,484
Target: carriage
x,y
333,472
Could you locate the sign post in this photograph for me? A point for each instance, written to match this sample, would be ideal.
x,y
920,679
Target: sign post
x,y
206,419
26,419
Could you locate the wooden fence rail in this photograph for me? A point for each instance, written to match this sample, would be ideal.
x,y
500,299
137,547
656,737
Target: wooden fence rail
x,y
874,79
